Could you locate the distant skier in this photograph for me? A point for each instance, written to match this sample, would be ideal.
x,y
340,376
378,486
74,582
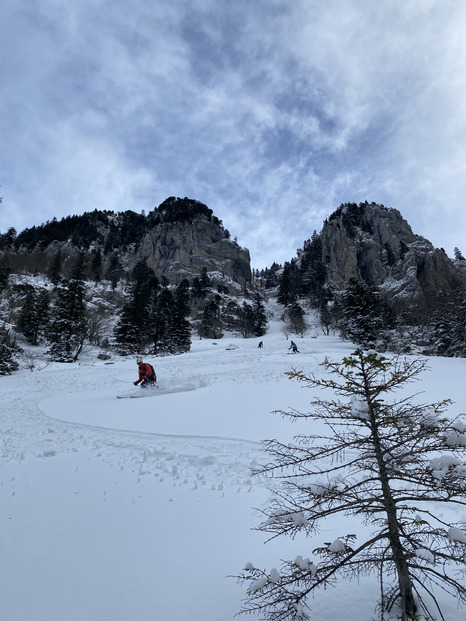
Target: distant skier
x,y
261,344
147,375
294,348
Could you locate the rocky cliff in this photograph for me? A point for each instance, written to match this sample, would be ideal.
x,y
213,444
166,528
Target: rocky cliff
x,y
183,249
374,244
178,239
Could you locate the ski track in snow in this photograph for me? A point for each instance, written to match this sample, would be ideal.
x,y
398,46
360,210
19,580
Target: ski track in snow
x,y
144,454
141,452
26,432
32,428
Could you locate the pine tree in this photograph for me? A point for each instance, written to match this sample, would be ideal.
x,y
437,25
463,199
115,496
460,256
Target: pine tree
x,y
133,330
196,289
290,283
270,276
8,348
458,255
113,239
7,240
313,270
114,270
55,268
296,319
4,276
161,320
229,315
366,317
447,324
212,325
67,331
260,316
96,265
181,325
201,285
396,465
34,315
246,321
27,317
205,280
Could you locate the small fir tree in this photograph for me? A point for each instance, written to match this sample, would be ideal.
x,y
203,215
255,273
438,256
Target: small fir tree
x,y
395,465
458,254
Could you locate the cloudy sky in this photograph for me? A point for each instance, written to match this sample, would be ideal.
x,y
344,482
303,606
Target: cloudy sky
x,y
272,112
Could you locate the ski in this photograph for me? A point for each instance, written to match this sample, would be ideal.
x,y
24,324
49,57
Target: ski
x,y
148,392
164,391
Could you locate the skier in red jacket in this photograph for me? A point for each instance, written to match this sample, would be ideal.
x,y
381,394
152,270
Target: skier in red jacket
x,y
147,376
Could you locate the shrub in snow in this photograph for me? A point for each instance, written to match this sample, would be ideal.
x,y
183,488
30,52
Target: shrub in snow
x,y
390,464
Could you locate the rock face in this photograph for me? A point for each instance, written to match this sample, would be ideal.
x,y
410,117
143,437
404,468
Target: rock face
x,y
182,249
178,239
374,244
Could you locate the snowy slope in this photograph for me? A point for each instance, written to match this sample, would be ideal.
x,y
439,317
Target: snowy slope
x,y
139,509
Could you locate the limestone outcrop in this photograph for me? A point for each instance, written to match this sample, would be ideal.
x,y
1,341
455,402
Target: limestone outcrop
x,y
374,244
182,249
178,239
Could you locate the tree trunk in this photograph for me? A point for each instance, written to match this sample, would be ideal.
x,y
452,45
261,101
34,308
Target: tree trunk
x,y
408,604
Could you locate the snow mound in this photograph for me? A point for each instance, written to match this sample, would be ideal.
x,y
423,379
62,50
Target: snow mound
x,y
456,534
425,555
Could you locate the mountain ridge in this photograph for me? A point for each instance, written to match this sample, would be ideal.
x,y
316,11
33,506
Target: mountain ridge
x,y
178,239
366,265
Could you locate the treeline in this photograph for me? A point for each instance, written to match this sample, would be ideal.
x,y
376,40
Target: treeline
x,y
105,229
175,209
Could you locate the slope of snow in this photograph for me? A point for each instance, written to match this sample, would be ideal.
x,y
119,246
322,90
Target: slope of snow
x,y
139,509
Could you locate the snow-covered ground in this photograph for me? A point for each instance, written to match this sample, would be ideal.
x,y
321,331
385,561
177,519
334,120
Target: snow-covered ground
x,y
140,509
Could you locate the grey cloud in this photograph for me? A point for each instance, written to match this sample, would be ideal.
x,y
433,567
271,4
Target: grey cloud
x,y
272,113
